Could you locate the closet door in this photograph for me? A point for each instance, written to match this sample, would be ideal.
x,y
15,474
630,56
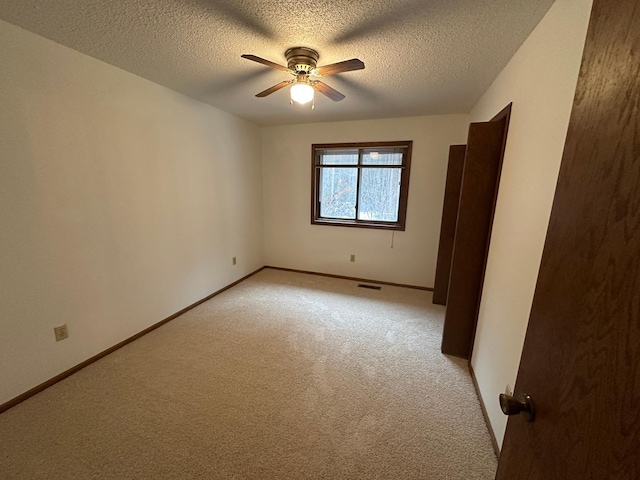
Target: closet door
x,y
480,180
448,225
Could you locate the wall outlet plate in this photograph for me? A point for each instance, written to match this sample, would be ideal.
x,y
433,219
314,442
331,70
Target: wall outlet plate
x,y
61,332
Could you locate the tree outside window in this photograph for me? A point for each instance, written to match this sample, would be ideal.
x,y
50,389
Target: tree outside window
x,y
361,185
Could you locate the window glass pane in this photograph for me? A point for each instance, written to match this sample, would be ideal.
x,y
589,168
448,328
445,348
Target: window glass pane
x,y
379,194
338,157
382,156
338,187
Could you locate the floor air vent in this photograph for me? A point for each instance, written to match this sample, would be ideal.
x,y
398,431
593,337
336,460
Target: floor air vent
x,y
372,287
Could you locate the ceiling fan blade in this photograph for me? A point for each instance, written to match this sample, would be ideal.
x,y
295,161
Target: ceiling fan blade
x,y
275,88
340,67
265,62
325,89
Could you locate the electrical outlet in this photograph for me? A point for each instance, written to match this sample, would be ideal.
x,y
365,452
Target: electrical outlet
x,y
233,261
61,332
508,391
353,258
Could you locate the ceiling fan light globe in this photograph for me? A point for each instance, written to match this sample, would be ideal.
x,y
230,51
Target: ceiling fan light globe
x,y
301,93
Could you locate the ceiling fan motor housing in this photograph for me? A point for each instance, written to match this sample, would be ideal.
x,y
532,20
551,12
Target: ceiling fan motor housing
x,y
301,59
301,63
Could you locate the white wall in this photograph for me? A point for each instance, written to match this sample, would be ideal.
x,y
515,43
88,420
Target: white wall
x,y
292,242
540,80
121,202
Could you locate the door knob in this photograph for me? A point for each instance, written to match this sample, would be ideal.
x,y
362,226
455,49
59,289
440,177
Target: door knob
x,y
513,406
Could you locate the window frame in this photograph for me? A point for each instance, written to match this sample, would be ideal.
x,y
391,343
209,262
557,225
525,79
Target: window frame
x,y
405,169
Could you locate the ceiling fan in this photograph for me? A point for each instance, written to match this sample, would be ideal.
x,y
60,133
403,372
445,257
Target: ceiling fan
x,y
301,63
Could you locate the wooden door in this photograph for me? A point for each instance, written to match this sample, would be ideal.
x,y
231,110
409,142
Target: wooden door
x,y
449,220
480,180
581,359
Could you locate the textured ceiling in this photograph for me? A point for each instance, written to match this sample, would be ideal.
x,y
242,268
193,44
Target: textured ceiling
x,y
422,56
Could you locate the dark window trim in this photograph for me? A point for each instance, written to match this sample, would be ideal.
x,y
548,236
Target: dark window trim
x,y
316,219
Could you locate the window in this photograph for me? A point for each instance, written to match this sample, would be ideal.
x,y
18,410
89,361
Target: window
x,y
360,184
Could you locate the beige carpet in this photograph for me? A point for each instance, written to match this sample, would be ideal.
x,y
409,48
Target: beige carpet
x,y
285,375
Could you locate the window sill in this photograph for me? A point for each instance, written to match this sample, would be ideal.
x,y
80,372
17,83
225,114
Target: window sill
x,y
357,224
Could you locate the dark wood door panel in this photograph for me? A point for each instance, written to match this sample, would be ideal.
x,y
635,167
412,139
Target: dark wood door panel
x,y
480,178
449,220
581,359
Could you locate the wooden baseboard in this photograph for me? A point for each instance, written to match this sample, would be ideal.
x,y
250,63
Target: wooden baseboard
x,y
21,398
356,279
496,448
